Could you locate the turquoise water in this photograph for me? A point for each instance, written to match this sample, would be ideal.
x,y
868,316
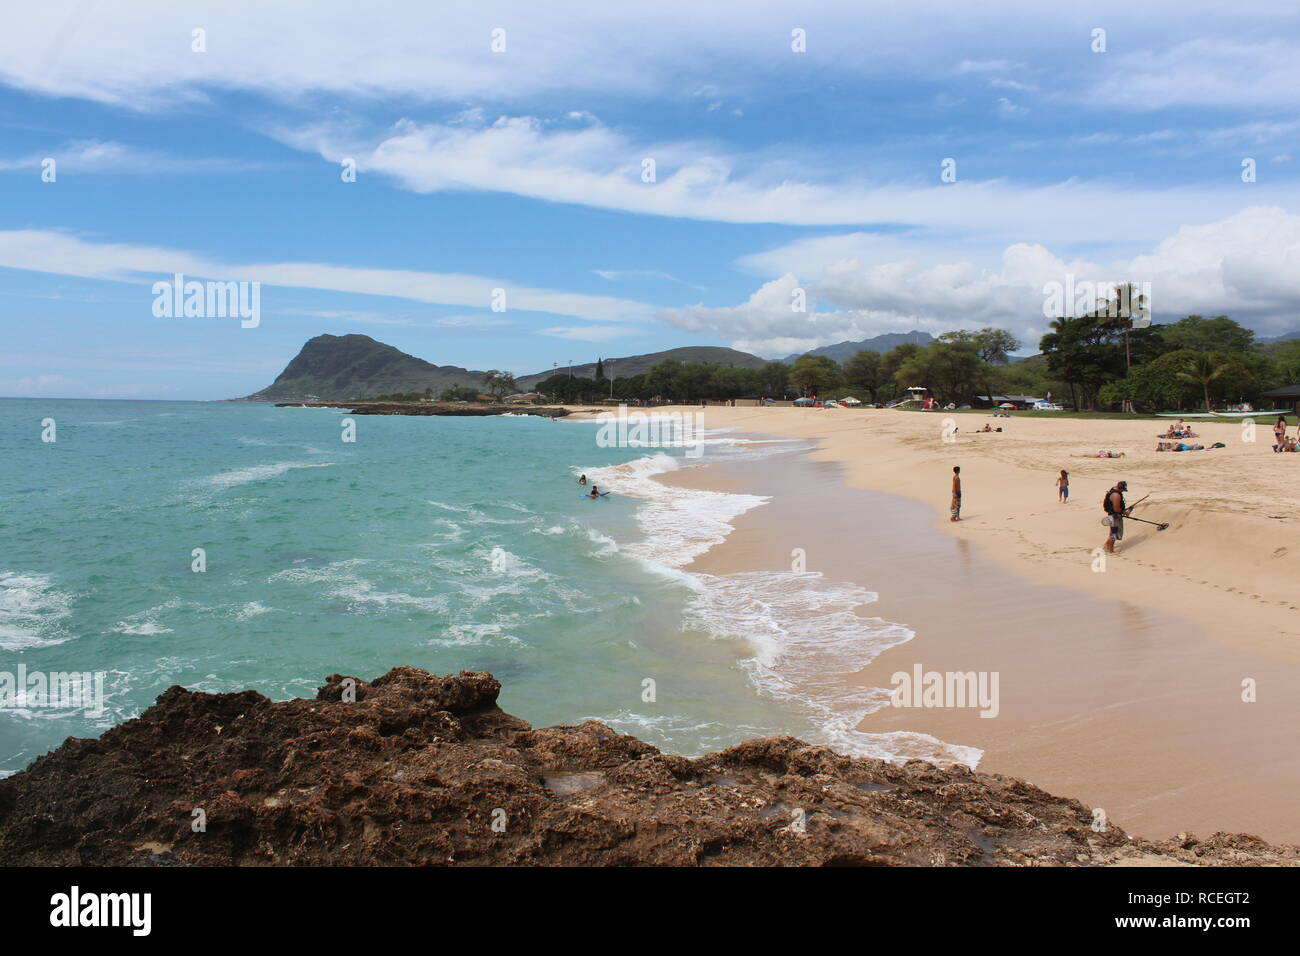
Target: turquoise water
x,y
443,543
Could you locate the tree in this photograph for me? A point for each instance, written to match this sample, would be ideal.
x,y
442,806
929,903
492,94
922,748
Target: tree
x,y
891,362
952,372
993,345
1219,334
774,379
814,374
458,393
1203,368
1157,385
498,384
862,371
1086,353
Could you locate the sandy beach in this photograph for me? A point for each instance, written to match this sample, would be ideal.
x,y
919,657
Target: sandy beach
x,y
1229,559
1121,687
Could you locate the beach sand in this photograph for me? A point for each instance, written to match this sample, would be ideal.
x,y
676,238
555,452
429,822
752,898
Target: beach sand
x,y
1122,688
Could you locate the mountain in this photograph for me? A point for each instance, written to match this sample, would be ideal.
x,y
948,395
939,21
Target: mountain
x,y
636,364
880,343
1274,339
344,367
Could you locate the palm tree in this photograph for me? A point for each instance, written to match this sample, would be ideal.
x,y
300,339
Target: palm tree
x,y
1203,368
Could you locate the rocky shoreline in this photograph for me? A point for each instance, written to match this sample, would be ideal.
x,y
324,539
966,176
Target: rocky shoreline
x,y
431,408
416,769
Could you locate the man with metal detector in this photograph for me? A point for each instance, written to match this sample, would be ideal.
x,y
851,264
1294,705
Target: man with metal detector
x,y
1116,511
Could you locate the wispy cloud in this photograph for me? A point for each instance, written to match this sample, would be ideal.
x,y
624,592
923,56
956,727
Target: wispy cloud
x,y
100,156
63,254
595,165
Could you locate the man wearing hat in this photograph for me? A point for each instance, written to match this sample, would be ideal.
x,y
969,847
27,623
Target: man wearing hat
x,y
1115,508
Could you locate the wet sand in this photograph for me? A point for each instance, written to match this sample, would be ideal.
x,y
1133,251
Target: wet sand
x,y
1135,711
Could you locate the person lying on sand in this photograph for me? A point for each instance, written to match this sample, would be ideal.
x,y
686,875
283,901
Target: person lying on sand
x,y
1103,454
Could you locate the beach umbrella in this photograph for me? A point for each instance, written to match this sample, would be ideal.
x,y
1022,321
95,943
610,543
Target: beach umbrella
x,y
1006,405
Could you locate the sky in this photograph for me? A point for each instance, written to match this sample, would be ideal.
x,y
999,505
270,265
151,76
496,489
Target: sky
x,y
517,186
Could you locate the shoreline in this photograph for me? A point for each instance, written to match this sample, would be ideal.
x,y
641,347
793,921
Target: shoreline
x,y
1137,711
1228,508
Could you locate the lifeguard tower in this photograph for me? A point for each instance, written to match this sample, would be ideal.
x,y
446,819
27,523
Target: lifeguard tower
x,y
915,396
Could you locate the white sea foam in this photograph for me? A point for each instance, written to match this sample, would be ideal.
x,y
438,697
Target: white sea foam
x,y
807,633
31,611
342,582
242,476
251,610
145,627
679,524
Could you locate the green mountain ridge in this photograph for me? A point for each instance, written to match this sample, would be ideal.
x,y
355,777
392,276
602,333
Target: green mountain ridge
x,y
636,364
843,351
346,367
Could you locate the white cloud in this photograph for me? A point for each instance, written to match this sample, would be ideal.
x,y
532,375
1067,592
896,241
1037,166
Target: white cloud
x,y
588,333
62,254
595,165
1246,265
101,156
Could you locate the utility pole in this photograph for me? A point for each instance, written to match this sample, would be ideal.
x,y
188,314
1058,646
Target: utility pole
x,y
611,382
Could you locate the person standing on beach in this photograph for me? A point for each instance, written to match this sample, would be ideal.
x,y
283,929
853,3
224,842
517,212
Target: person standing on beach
x,y
1116,510
1063,486
955,508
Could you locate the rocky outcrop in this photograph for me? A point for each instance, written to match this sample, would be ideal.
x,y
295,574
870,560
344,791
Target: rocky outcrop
x,y
412,768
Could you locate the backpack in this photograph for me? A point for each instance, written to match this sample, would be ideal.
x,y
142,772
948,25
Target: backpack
x,y
1107,505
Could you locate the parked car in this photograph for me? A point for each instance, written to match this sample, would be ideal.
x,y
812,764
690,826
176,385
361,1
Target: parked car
x,y
1047,407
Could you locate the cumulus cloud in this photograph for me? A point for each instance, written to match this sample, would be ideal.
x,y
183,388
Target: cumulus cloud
x,y
1246,265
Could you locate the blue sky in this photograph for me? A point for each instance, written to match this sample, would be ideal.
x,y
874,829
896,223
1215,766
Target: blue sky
x,y
775,170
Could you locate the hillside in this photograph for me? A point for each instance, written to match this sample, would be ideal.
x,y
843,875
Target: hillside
x,y
843,351
636,364
342,367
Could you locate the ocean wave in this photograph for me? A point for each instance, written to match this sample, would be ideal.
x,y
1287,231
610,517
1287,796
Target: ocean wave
x,y
678,524
808,637
805,632
243,476
32,610
345,584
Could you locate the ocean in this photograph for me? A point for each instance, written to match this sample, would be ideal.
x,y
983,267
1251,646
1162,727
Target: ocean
x,y
225,546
